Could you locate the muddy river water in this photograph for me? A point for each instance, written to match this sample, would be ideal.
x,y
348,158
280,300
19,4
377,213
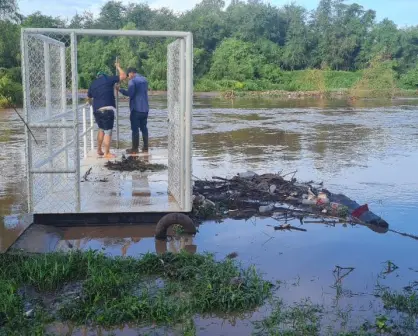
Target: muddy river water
x,y
367,150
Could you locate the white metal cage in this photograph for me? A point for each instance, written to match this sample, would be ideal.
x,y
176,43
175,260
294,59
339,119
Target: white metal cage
x,y
63,127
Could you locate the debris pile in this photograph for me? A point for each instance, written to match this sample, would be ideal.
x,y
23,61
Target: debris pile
x,y
271,195
133,163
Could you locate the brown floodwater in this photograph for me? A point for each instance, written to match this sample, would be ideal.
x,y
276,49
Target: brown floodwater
x,y
367,149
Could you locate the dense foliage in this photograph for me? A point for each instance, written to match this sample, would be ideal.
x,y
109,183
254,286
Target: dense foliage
x,y
246,45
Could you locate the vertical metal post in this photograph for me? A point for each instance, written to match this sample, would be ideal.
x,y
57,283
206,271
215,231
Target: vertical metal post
x,y
64,101
74,78
84,133
188,122
26,108
47,70
91,126
117,110
182,60
64,144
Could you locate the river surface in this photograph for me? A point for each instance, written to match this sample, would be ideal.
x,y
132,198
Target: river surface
x,y
366,149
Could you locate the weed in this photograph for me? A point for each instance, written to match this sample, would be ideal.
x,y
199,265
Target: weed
x,y
303,319
406,302
155,289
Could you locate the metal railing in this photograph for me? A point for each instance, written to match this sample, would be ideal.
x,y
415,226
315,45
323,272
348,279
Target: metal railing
x,y
89,129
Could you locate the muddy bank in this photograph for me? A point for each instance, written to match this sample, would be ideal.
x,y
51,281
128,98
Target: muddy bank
x,y
289,95
331,94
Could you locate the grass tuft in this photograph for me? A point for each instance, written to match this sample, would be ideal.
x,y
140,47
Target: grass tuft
x,y
155,289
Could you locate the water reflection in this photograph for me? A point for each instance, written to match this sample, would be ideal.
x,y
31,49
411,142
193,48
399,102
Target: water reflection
x,y
366,149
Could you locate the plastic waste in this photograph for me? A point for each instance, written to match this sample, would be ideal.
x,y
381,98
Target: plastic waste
x,y
338,209
322,199
247,175
273,188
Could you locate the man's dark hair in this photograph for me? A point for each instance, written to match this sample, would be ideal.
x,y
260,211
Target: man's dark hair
x,y
131,70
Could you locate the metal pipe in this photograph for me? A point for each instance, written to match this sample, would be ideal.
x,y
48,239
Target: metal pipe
x,y
183,139
51,125
91,128
49,40
188,121
65,146
117,110
26,108
74,78
84,132
56,116
48,94
64,100
53,171
105,32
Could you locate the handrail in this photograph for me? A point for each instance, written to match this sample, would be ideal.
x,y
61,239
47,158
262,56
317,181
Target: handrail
x,y
64,125
86,130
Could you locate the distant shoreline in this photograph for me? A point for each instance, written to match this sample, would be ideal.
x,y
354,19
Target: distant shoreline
x,y
292,95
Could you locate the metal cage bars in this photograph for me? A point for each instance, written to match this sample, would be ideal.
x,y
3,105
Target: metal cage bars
x,y
186,41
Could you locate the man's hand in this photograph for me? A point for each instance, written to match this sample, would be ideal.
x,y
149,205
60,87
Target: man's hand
x,y
117,87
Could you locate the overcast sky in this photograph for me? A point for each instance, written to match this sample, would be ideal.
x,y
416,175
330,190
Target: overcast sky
x,y
402,12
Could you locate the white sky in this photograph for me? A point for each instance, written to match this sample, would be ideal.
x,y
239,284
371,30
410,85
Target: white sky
x,y
402,12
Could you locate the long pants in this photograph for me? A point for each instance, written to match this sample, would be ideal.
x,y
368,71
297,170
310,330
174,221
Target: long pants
x,y
139,122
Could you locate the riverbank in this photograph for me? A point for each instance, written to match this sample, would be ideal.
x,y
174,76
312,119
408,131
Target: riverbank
x,y
160,293
291,95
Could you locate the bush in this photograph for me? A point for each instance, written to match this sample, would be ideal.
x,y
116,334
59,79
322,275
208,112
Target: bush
x,y
11,92
410,79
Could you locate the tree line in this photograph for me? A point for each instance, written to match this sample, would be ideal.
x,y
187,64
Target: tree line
x,y
244,44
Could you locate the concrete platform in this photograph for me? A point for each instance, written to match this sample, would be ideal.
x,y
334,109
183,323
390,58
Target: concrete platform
x,y
104,191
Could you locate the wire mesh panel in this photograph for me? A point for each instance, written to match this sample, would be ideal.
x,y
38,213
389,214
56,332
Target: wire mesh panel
x,y
51,148
176,106
59,143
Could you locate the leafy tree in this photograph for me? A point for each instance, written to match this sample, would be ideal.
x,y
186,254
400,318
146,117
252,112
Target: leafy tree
x,y
235,59
38,20
295,52
9,49
9,10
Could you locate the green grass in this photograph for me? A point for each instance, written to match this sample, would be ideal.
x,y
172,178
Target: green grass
x,y
162,290
169,290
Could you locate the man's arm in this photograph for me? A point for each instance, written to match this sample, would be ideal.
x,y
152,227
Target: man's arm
x,y
131,90
89,96
122,74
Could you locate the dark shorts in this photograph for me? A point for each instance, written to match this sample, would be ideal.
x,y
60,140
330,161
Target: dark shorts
x,y
105,120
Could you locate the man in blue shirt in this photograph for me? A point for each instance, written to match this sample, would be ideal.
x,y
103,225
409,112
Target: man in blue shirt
x,y
102,92
138,105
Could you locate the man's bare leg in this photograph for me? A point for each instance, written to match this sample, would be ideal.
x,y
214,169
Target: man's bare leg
x,y
100,136
106,143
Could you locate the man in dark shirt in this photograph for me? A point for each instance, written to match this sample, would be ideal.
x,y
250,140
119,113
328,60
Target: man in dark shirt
x,y
102,92
138,105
